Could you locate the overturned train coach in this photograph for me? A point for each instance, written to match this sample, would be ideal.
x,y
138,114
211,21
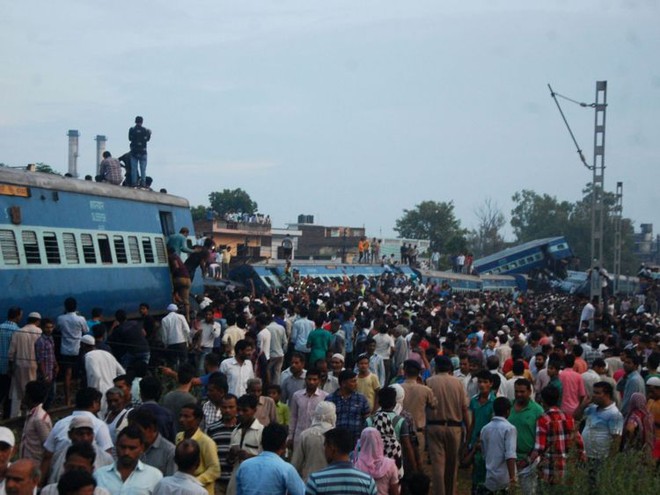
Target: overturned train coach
x,y
103,244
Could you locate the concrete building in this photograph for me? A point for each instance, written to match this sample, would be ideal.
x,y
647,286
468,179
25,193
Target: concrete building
x,y
320,242
249,241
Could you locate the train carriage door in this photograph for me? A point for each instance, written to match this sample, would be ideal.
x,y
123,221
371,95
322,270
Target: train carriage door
x,y
166,223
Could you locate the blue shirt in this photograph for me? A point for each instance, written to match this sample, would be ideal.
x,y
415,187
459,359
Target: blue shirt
x,y
302,327
141,481
498,444
341,478
268,474
351,411
72,327
7,330
601,426
348,327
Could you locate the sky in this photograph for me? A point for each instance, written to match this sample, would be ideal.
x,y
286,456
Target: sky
x,y
351,111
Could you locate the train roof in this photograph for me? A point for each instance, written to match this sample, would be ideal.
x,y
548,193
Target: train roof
x,y
329,268
516,249
20,177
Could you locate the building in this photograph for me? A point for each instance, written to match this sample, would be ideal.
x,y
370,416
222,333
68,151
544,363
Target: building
x,y
249,241
321,242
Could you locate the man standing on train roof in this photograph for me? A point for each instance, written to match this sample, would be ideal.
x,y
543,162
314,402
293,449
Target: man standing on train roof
x,y
138,136
179,242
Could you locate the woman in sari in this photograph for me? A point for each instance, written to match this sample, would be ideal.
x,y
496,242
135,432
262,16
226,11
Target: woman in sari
x,y
369,458
638,426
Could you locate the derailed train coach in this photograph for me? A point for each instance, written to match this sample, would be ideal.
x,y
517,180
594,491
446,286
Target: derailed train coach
x,y
103,244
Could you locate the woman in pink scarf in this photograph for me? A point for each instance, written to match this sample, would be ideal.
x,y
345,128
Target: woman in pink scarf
x,y
638,427
369,458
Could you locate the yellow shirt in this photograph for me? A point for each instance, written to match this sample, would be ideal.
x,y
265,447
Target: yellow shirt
x,y
209,465
368,386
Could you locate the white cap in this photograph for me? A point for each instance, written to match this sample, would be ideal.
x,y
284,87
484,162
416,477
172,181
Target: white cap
x,y
88,339
34,314
654,381
7,436
172,307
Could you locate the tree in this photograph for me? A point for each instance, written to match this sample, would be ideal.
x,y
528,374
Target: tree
x,y
536,216
46,169
198,212
486,238
436,222
236,200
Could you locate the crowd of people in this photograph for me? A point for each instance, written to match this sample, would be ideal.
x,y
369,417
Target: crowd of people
x,y
356,386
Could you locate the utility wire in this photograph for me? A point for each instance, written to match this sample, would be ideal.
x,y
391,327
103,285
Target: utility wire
x,y
561,112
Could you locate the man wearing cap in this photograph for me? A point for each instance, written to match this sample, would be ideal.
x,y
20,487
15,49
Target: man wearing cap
x,y
7,443
88,404
138,136
81,430
175,332
418,397
444,426
22,361
101,368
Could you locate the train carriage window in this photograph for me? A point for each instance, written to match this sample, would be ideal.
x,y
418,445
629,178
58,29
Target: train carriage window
x,y
70,248
88,248
134,249
8,247
120,249
161,252
148,250
52,249
31,247
104,248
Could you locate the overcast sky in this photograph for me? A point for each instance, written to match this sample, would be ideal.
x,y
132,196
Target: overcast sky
x,y
348,110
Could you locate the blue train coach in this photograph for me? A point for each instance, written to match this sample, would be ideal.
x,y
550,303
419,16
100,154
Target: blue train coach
x,y
100,243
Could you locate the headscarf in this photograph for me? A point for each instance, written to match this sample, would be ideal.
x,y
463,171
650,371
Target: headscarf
x,y
325,415
642,418
400,395
369,457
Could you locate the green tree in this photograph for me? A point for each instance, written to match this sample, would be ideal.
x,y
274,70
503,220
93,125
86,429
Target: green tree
x,y
198,212
536,216
232,201
435,221
46,169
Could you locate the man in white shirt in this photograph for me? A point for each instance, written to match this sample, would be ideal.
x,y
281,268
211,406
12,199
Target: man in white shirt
x,y
587,314
263,337
176,335
278,344
101,368
238,369
209,331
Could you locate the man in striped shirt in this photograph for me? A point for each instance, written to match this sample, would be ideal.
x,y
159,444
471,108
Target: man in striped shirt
x,y
340,477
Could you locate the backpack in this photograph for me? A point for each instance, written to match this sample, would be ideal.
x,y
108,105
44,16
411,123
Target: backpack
x,y
389,426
